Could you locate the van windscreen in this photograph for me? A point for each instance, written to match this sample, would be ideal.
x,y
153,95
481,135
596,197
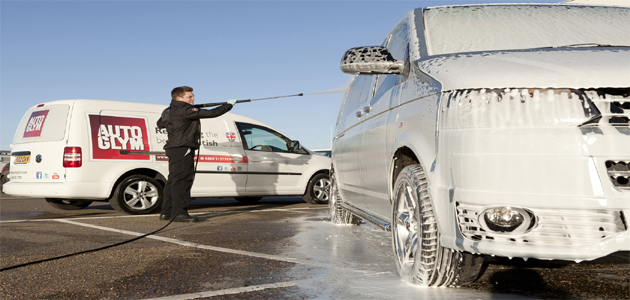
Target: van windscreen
x,y
43,124
457,29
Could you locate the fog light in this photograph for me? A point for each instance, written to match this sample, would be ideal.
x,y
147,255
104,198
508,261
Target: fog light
x,y
506,219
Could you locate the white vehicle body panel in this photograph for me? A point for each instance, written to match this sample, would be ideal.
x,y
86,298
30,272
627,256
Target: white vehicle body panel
x,y
488,132
103,128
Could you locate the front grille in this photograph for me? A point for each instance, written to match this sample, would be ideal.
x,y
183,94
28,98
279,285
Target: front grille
x,y
553,226
619,173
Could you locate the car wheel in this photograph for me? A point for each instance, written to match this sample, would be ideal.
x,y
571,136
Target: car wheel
x,y
67,204
137,194
420,258
338,214
318,190
248,199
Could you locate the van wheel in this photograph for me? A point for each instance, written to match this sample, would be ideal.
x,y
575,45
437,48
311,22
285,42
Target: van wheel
x,y
137,195
338,214
68,204
248,199
318,189
420,258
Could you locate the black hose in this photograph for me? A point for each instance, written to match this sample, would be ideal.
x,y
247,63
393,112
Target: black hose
x,y
101,248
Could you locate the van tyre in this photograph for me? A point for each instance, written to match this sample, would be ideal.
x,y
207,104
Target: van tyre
x,y
420,258
318,189
137,195
67,204
338,214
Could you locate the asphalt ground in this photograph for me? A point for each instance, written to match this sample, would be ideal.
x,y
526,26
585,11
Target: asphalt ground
x,y
278,248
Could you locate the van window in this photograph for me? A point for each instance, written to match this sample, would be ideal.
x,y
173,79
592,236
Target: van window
x,y
398,46
43,124
259,138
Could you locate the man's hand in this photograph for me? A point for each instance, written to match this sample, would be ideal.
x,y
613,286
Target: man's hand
x,y
231,101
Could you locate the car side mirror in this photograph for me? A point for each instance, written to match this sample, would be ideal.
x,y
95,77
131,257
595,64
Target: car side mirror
x,y
370,60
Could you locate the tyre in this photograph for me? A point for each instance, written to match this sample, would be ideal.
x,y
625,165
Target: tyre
x,y
137,195
318,189
248,199
68,204
420,258
338,214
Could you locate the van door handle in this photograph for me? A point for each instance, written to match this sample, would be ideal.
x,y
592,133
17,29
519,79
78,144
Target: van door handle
x,y
367,109
359,114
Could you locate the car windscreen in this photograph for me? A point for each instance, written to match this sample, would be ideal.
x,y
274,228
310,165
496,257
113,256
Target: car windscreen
x,y
43,124
459,29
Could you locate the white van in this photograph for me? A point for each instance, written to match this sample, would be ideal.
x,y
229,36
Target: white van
x,y
489,130
73,152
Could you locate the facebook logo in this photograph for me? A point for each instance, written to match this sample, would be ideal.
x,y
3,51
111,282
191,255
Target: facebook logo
x,y
38,175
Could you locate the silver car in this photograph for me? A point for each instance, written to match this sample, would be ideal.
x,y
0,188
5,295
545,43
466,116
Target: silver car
x,y
489,130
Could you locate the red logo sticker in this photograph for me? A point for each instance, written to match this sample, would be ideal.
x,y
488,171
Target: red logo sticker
x,y
111,134
35,124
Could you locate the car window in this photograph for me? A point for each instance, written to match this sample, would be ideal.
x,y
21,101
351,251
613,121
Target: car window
x,y
398,46
259,138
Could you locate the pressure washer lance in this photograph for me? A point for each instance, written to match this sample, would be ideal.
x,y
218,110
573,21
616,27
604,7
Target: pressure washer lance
x,y
246,100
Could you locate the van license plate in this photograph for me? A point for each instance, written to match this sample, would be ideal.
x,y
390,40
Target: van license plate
x,y
23,159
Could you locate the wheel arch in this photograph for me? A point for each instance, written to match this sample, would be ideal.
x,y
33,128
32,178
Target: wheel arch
x,y
139,171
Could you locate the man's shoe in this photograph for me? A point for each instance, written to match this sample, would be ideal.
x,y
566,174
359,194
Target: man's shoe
x,y
185,218
165,217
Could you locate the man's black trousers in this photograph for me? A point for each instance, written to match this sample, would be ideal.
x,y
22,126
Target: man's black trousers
x,y
181,174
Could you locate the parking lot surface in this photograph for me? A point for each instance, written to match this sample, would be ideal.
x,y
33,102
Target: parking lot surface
x,y
279,248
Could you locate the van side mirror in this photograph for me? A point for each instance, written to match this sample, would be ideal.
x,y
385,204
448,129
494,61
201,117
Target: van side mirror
x,y
370,60
294,146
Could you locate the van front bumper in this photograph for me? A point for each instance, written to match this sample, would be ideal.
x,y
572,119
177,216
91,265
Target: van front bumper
x,y
66,190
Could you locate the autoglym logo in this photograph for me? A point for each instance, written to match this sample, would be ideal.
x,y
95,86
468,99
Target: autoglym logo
x,y
35,124
231,136
110,134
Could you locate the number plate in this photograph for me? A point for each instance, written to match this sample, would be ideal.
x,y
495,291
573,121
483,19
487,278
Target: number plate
x,y
22,159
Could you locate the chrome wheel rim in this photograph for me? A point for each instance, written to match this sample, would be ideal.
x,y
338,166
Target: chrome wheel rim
x,y
321,189
141,195
405,229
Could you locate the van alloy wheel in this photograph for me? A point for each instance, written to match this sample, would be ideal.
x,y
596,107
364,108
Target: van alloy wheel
x,y
338,214
420,257
137,194
318,190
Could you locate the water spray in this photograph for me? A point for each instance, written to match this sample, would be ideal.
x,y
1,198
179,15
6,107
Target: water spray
x,y
246,100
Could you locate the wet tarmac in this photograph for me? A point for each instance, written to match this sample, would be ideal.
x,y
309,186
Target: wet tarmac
x,y
279,248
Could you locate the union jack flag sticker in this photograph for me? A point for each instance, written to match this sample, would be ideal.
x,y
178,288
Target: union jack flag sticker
x,y
230,136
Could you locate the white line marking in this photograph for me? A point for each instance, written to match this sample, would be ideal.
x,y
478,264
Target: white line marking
x,y
154,215
191,244
231,291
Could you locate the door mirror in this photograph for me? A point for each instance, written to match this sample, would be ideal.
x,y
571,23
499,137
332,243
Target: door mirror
x,y
370,60
294,146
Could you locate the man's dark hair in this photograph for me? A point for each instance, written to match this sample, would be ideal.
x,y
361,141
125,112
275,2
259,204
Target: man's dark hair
x,y
180,91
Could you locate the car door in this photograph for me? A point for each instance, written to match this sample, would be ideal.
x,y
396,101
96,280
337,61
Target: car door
x,y
274,169
374,156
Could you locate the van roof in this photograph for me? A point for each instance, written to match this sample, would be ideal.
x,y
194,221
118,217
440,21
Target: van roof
x,y
135,106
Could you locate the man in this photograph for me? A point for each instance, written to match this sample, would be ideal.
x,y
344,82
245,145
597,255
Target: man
x,y
181,120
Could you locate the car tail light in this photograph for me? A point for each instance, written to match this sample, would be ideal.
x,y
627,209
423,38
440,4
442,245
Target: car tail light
x,y
4,168
72,157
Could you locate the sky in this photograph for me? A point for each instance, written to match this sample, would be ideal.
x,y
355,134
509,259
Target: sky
x,y
138,51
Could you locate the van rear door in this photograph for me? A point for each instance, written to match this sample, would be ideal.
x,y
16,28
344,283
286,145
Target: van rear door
x,y
39,143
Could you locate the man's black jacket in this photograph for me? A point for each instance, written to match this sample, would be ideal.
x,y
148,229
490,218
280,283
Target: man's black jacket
x,y
181,121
